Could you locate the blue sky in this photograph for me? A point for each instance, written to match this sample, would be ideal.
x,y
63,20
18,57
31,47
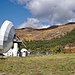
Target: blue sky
x,y
13,12
37,13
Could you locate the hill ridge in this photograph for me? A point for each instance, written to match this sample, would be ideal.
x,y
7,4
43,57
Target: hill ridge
x,y
51,27
44,34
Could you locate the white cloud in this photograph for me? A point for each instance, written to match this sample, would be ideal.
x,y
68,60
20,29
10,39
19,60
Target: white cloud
x,y
51,11
71,20
34,23
20,1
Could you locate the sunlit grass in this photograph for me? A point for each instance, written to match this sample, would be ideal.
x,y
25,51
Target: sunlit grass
x,y
59,64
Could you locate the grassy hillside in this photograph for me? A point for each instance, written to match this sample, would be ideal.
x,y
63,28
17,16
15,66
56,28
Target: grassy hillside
x,y
47,45
60,64
44,34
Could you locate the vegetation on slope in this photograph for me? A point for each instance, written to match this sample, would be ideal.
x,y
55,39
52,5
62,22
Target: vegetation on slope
x,y
44,34
53,45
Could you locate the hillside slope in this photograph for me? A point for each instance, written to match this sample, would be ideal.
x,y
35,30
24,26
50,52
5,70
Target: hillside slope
x,y
53,45
44,34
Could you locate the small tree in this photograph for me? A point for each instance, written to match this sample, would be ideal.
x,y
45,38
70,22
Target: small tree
x,y
57,49
52,50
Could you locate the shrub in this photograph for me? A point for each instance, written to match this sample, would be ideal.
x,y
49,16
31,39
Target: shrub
x,y
68,51
73,51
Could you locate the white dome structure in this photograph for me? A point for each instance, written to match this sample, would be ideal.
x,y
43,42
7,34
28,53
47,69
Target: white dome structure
x,y
24,52
7,38
7,33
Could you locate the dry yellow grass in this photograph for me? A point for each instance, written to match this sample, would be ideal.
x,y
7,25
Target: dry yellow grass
x,y
59,64
32,34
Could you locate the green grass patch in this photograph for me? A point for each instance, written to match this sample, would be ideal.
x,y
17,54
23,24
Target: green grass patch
x,y
59,64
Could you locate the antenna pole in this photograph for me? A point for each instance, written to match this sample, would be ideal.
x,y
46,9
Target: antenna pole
x,y
22,41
